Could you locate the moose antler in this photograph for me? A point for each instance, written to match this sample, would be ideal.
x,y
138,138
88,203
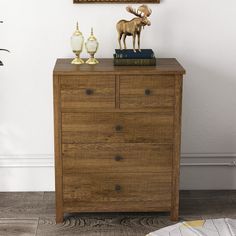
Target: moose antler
x,y
145,10
133,11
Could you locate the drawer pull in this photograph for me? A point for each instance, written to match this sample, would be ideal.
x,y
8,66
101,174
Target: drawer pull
x,y
118,188
119,127
118,158
89,91
147,92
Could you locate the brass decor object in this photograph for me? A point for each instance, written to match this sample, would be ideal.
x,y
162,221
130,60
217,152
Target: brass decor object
x,y
133,27
77,41
92,47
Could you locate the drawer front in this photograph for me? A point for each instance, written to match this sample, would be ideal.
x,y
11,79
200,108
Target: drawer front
x,y
117,128
105,158
146,91
87,92
104,187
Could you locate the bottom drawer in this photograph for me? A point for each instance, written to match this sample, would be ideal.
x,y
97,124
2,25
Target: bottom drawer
x,y
87,189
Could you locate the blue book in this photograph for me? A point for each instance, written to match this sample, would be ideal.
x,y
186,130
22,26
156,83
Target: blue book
x,y
129,53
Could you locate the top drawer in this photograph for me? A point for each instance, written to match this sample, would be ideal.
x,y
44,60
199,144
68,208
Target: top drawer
x,y
146,91
87,92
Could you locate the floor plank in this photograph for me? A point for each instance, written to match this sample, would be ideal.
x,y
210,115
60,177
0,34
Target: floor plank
x,y
117,224
103,224
212,204
26,205
18,227
22,213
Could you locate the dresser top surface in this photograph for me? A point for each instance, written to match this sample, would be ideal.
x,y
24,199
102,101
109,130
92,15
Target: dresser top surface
x,y
105,66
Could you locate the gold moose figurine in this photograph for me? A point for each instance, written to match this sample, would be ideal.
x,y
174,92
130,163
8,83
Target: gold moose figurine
x,y
134,26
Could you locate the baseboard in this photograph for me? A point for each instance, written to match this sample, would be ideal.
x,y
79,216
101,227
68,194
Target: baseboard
x,y
32,160
208,171
27,160
198,171
26,173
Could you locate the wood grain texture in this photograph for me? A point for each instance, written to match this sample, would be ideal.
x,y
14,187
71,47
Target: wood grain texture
x,y
146,91
118,206
119,131
116,158
18,227
176,152
117,91
25,209
57,148
160,110
83,92
25,205
116,127
112,187
165,66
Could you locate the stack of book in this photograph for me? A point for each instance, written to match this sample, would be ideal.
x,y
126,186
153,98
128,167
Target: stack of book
x,y
127,57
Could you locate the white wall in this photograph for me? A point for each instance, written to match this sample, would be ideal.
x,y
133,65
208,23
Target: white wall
x,y
200,34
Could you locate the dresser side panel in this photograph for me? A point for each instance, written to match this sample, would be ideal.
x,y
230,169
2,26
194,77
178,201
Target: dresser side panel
x,y
176,150
57,149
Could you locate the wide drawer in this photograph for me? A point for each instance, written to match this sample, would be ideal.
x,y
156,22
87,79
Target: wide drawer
x,y
87,92
90,158
117,128
146,91
108,187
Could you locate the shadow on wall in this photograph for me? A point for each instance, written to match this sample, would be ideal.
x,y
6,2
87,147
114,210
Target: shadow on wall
x,y
209,114
1,64
208,126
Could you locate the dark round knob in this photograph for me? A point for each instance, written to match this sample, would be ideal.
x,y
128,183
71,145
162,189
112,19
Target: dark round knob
x,y
117,187
118,158
119,128
147,92
88,91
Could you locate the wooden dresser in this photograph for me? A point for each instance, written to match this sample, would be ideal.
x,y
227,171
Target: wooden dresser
x,y
117,137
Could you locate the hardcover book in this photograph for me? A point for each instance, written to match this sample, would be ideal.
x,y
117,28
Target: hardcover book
x,y
129,53
134,62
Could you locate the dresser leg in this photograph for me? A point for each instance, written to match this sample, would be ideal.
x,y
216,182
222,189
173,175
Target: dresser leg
x,y
59,217
174,215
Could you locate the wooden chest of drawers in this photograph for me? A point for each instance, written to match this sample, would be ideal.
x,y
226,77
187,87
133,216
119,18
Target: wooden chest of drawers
x,y
117,137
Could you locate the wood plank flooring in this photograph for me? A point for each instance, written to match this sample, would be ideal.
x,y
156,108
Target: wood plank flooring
x,y
33,214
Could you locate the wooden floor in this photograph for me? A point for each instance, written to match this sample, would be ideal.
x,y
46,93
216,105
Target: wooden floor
x,y
27,214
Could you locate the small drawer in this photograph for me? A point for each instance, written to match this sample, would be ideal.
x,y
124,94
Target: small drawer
x,y
123,187
87,92
115,157
117,127
137,92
